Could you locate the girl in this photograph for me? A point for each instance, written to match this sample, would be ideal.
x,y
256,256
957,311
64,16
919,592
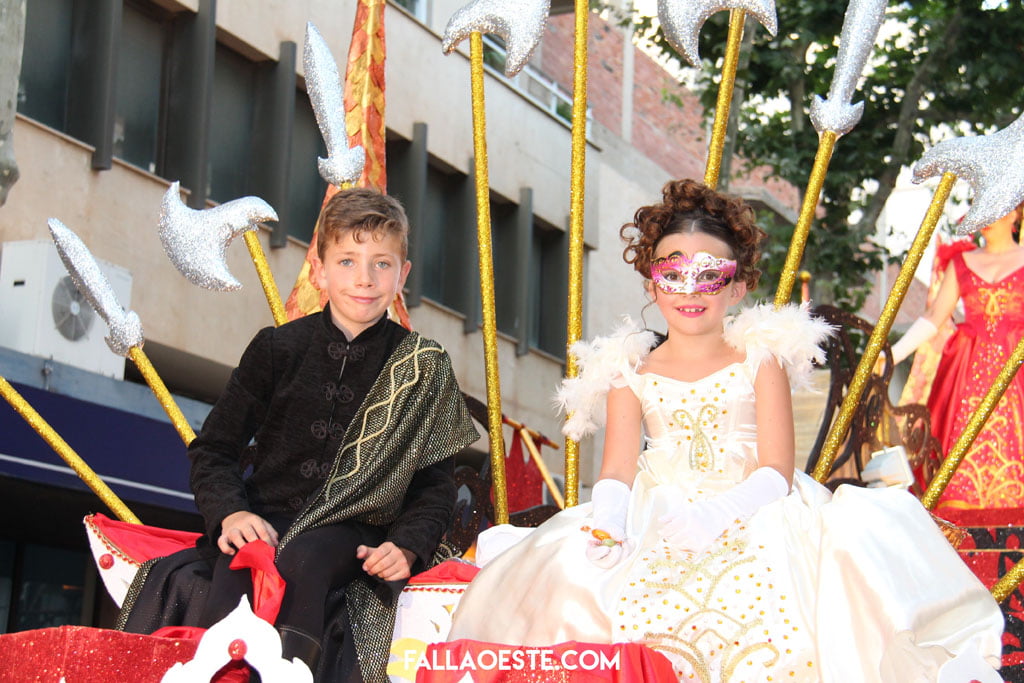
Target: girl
x,y
706,546
989,280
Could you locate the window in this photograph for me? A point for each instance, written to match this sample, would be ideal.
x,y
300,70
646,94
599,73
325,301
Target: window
x,y
440,202
6,582
447,238
417,8
50,586
447,201
307,188
46,62
140,78
549,281
231,120
506,266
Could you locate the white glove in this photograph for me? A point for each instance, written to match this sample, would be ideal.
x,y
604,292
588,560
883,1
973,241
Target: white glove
x,y
607,543
693,526
918,333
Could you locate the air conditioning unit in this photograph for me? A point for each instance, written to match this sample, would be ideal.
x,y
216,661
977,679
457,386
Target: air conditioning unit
x,y
43,314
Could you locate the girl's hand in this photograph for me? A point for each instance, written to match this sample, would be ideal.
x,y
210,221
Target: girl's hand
x,y
243,527
387,561
606,547
694,526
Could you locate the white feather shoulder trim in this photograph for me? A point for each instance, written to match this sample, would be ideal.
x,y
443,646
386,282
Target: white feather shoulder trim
x,y
604,363
789,334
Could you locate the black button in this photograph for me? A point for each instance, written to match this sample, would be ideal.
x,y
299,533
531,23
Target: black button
x,y
309,469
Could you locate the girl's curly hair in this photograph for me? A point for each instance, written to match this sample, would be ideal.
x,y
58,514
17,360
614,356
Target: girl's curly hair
x,y
688,206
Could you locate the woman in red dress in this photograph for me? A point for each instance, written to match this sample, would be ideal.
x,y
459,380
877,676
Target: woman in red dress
x,y
990,281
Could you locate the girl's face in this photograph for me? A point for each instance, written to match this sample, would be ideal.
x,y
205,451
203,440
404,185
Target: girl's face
x,y
693,285
1005,224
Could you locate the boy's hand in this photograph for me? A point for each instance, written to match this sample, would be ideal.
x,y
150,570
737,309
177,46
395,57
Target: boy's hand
x,y
240,528
387,561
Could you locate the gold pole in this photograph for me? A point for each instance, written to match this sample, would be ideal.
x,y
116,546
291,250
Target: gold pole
x,y
259,260
1006,585
51,437
805,286
837,433
533,432
725,89
490,320
826,144
574,324
149,373
974,425
544,471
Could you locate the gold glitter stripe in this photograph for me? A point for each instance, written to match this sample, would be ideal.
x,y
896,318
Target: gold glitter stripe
x,y
74,461
737,17
826,144
841,425
167,401
259,259
1009,583
486,267
577,182
387,404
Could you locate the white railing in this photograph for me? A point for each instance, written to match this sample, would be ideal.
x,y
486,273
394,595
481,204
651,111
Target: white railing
x,y
532,84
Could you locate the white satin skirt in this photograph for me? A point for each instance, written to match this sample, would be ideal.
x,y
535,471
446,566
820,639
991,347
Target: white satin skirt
x,y
856,586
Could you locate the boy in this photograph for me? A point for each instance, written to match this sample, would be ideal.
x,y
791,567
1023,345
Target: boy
x,y
355,421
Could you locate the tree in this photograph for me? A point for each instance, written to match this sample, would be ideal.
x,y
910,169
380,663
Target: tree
x,y
12,35
937,64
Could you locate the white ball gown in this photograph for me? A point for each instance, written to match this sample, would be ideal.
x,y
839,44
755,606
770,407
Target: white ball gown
x,y
859,585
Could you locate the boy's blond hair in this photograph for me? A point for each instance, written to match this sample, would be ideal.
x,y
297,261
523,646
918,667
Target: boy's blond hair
x,y
360,211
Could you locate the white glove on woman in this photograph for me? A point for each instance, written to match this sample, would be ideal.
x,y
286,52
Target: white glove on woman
x,y
607,544
918,333
693,526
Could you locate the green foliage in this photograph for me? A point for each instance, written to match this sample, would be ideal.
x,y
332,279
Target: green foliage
x,y
941,62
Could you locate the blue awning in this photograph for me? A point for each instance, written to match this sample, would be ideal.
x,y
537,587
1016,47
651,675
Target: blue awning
x,y
141,457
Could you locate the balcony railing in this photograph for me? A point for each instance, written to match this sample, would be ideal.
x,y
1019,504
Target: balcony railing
x,y
532,84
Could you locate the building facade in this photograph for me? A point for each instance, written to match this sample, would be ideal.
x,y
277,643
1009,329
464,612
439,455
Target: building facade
x,y
119,98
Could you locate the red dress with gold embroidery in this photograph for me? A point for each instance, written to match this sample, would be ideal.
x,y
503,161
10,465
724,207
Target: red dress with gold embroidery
x,y
992,473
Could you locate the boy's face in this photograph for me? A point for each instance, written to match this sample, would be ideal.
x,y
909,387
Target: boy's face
x,y
361,278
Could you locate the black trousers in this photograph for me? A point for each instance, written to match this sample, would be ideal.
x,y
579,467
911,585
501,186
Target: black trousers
x,y
312,564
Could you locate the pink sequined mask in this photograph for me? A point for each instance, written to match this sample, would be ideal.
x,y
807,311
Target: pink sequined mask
x,y
677,273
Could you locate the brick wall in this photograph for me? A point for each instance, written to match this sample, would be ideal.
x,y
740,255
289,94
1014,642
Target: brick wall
x,y
671,135
914,304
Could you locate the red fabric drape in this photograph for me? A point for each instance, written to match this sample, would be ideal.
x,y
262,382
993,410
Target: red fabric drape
x,y
524,482
140,542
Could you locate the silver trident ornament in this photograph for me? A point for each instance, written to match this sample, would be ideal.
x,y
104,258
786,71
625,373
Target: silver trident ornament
x,y
991,165
520,23
860,31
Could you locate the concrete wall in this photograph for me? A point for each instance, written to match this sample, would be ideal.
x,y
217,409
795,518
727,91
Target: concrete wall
x,y
637,143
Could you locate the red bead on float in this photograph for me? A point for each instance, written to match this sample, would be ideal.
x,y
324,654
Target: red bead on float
x,y
237,649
